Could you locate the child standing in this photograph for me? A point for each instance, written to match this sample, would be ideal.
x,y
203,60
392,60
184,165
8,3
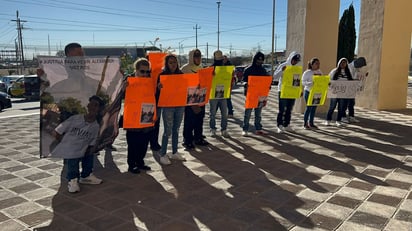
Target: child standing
x,y
307,83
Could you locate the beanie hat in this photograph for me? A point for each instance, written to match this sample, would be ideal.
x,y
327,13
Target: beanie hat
x,y
217,55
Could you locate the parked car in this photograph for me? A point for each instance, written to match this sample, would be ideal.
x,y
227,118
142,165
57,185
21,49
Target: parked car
x,y
9,80
27,86
5,101
238,73
3,87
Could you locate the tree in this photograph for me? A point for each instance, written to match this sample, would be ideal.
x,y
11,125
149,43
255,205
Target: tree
x,y
347,35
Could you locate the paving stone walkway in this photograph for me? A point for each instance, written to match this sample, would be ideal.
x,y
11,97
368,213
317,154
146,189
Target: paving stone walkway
x,y
357,177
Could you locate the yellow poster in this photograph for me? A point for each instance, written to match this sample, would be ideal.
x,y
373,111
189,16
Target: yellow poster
x,y
317,95
291,83
221,82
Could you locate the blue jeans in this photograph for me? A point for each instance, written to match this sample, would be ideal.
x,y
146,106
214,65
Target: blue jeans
x,y
332,105
214,105
73,167
285,111
309,112
230,106
172,119
258,118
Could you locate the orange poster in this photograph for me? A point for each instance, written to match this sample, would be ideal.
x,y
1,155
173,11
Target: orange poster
x,y
175,89
205,81
257,91
156,64
139,103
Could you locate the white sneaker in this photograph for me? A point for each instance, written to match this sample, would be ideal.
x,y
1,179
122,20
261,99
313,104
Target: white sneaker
x,y
165,160
91,179
177,156
353,119
345,120
73,186
280,129
288,129
327,123
338,123
225,133
213,132
244,133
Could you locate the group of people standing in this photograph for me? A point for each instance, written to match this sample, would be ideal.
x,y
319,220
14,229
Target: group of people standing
x,y
138,139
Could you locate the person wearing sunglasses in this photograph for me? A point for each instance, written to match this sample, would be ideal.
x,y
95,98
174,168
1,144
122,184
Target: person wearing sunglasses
x,y
138,138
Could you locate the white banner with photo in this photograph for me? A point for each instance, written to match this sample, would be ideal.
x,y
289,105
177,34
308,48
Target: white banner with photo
x,y
344,89
66,86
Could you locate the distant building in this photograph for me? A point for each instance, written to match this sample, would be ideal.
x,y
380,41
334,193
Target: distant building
x,y
117,51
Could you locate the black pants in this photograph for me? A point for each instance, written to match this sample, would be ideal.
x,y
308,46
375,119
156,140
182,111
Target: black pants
x,y
137,142
193,124
154,137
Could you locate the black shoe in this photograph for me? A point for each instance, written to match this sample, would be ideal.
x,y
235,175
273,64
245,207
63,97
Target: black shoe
x,y
188,145
156,147
134,170
145,168
201,142
203,137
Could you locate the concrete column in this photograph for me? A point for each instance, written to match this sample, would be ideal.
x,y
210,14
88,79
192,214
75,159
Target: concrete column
x,y
385,41
312,30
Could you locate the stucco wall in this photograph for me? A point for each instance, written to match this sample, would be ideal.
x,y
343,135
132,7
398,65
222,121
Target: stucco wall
x,y
384,39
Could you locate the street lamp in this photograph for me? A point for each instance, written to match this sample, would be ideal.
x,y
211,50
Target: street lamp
x,y
218,23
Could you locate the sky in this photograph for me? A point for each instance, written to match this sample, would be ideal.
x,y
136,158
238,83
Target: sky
x,y
245,26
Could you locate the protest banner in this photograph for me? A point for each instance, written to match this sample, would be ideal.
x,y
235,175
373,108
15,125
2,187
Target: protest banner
x,y
344,89
66,87
291,83
174,91
205,81
317,94
139,103
257,91
221,82
157,60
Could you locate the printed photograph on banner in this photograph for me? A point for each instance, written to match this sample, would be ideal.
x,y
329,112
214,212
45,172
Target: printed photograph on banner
x,y
67,84
296,80
202,95
316,98
147,113
192,95
219,91
262,101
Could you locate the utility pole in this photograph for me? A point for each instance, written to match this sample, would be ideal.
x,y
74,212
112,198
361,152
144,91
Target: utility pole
x,y
273,37
20,38
218,23
207,53
196,28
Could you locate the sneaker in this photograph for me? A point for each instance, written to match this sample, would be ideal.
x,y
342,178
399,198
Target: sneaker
x,y
312,126
213,132
134,170
201,142
244,133
225,133
91,179
177,156
165,160
288,129
280,129
145,168
327,123
353,119
73,186
345,120
338,123
261,132
306,127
